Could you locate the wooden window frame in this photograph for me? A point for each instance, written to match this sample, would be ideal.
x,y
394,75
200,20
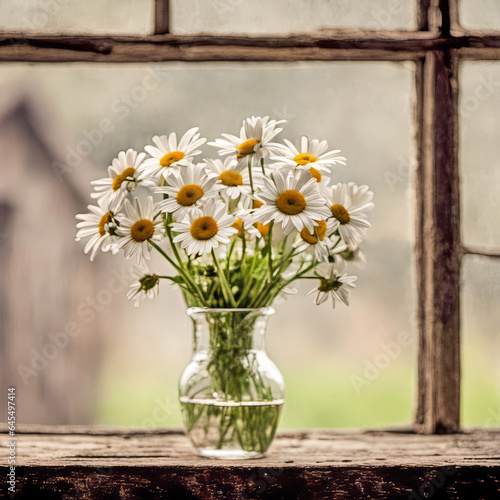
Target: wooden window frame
x,y
437,47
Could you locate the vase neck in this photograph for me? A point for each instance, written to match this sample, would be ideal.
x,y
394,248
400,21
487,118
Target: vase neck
x,y
235,330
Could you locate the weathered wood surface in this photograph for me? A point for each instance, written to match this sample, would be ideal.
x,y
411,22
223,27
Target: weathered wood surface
x,y
100,463
437,242
338,45
154,48
162,17
438,248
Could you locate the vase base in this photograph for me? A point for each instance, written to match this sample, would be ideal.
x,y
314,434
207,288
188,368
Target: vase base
x,y
229,454
231,430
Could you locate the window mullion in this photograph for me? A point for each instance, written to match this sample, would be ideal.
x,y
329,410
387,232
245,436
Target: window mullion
x,y
428,15
162,17
438,248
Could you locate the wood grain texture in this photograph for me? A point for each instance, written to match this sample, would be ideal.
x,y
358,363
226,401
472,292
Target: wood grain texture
x,y
325,45
97,463
162,16
438,249
438,244
424,15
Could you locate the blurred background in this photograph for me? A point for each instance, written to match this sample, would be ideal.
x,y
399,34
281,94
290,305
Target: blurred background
x,y
79,352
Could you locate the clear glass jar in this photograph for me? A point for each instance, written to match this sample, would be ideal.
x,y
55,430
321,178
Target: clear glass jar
x,y
231,393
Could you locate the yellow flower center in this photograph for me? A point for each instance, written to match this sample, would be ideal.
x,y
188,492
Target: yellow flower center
x,y
231,178
238,225
170,158
315,173
189,194
142,230
247,148
204,228
319,233
105,219
257,204
118,181
340,213
263,230
304,159
291,202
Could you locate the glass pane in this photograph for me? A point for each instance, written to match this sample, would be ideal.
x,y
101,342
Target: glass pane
x,y
344,367
480,152
75,16
481,342
480,14
289,16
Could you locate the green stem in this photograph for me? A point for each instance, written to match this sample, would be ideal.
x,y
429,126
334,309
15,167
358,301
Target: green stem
x,y
228,258
243,245
171,239
270,250
171,278
226,290
179,259
249,280
250,172
291,280
188,280
262,166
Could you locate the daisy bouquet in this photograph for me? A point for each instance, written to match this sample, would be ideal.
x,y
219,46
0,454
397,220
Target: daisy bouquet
x,y
236,232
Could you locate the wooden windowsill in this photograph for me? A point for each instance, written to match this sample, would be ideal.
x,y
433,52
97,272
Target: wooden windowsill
x,y
102,462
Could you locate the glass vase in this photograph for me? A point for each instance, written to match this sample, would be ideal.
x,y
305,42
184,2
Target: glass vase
x,y
231,393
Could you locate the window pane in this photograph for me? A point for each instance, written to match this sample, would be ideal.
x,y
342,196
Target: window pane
x,y
75,16
289,16
480,152
344,367
480,14
481,341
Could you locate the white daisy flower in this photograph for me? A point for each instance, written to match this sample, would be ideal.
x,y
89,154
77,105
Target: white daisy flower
x,y
200,234
289,290
289,273
254,140
147,284
137,227
349,205
319,242
100,224
284,294
238,225
333,282
311,157
294,201
233,177
169,155
259,231
187,190
253,230
355,256
122,176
